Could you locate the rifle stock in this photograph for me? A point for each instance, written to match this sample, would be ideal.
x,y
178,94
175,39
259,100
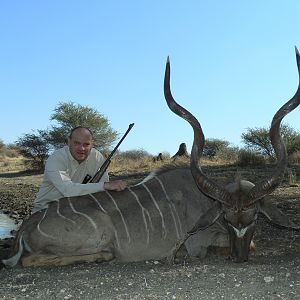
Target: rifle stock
x,y
100,172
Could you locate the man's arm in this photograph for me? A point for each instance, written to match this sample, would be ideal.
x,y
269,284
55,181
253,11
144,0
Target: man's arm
x,y
116,185
57,175
61,181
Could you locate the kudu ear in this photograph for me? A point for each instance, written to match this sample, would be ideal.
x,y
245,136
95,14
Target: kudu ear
x,y
275,215
208,218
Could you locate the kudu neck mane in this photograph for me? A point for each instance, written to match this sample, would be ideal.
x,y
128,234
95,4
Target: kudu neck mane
x,y
165,169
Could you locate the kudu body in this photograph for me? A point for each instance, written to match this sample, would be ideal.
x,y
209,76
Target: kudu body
x,y
238,204
142,222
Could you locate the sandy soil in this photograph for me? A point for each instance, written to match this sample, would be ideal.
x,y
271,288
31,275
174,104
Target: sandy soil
x,y
273,271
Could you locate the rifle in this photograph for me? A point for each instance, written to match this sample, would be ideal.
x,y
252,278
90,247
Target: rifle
x,y
103,168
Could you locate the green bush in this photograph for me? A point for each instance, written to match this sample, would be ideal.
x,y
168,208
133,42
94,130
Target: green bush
x,y
295,158
8,150
213,146
134,154
250,158
12,153
229,154
258,140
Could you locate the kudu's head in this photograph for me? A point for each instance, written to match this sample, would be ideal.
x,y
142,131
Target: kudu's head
x,y
239,203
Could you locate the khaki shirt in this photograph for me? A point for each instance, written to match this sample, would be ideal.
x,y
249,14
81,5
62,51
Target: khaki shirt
x,y
64,175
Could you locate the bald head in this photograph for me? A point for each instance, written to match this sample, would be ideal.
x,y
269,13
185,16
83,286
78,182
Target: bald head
x,y
82,130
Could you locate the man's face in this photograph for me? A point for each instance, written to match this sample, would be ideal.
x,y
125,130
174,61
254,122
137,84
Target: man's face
x,y
80,144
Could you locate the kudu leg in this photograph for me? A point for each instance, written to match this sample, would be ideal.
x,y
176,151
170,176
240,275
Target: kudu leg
x,y
175,249
39,260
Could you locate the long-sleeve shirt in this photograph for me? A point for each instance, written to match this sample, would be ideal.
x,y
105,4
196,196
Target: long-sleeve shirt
x,y
63,177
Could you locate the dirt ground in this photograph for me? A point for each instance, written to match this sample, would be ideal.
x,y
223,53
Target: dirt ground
x,y
273,271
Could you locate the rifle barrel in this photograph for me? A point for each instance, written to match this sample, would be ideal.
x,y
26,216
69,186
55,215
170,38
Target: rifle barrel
x,y
121,140
107,161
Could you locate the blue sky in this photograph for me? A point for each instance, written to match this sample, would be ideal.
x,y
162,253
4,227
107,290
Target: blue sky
x,y
232,65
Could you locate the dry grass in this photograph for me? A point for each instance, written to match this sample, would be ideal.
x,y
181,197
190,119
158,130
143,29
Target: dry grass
x,y
12,164
119,165
292,177
140,167
125,166
295,158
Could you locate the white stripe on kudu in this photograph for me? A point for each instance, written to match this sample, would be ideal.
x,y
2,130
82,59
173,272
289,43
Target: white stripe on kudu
x,y
96,200
164,232
60,215
144,213
82,214
172,208
39,228
102,208
121,215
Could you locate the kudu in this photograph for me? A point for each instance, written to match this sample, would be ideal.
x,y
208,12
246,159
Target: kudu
x,y
238,204
140,223
146,220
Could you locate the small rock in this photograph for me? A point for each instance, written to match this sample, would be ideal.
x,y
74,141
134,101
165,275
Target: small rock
x,y
268,279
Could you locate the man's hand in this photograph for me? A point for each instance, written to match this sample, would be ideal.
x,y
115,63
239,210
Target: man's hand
x,y
116,185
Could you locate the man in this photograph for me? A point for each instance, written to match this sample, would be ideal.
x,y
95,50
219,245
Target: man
x,y
67,167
